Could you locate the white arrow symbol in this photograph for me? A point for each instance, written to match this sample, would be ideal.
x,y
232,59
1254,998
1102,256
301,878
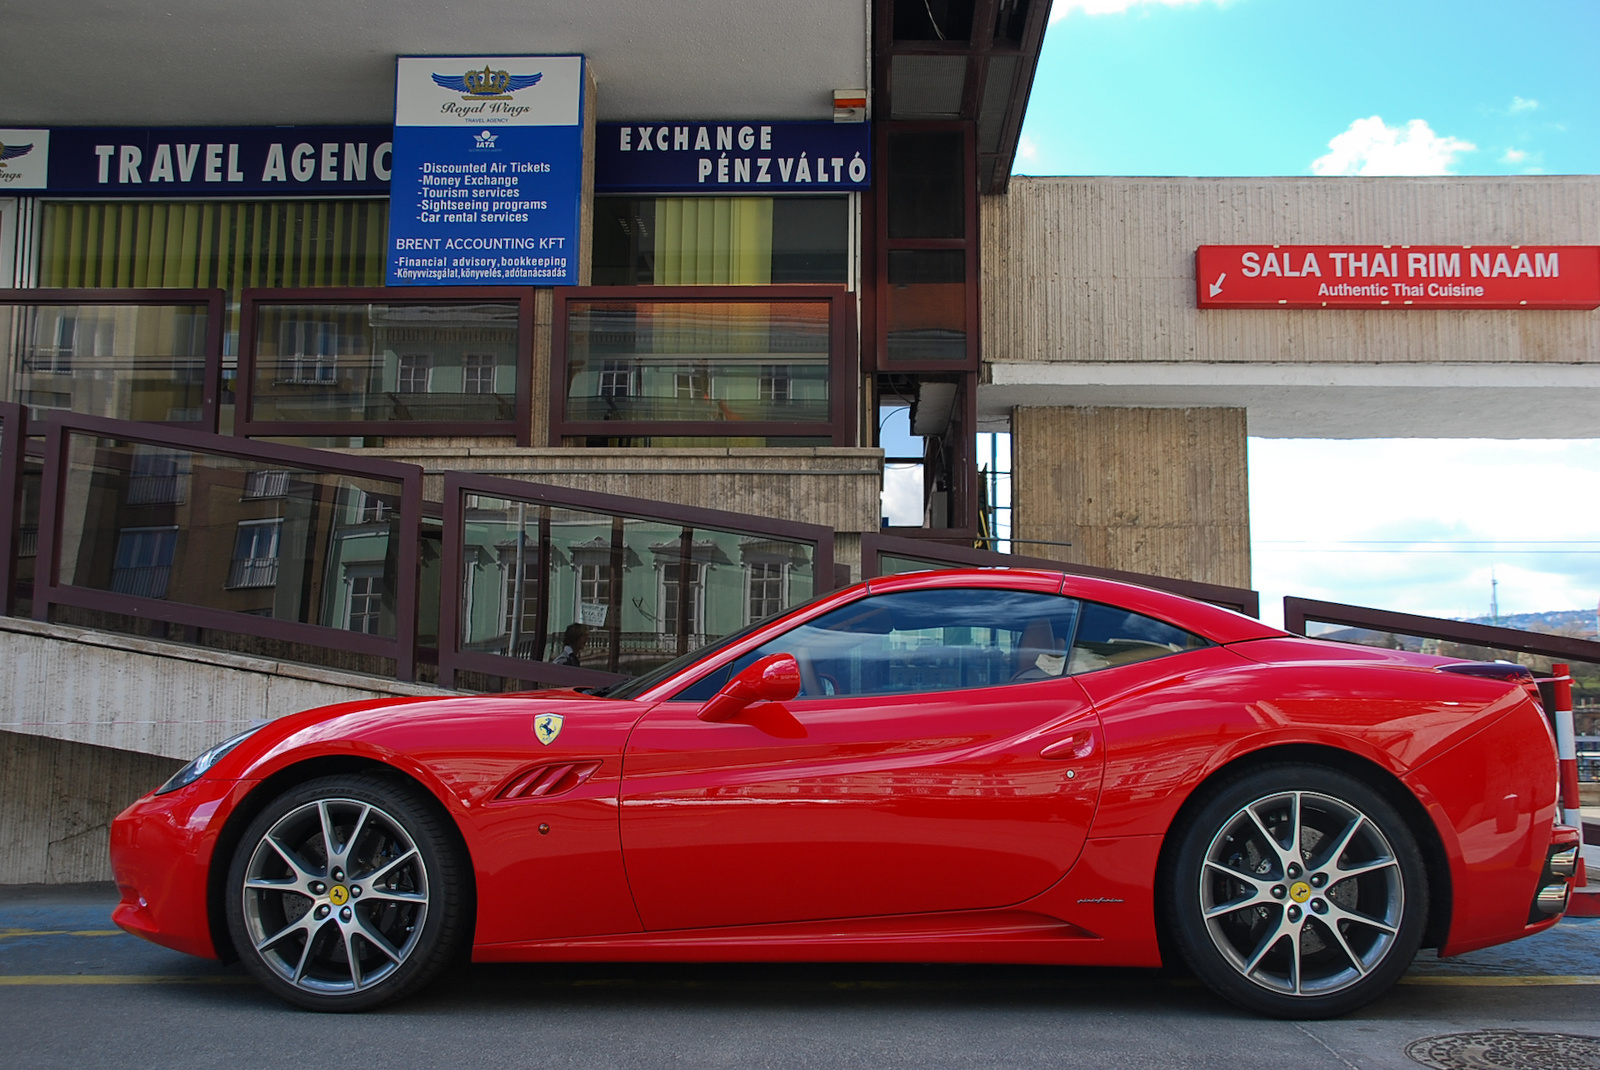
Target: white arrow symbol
x,y
1216,287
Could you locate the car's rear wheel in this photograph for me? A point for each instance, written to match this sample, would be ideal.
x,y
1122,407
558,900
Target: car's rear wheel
x,y
347,892
1297,891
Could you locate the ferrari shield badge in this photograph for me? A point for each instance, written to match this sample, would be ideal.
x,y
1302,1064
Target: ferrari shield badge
x,y
547,726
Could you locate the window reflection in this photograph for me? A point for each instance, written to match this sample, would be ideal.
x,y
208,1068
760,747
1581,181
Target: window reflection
x,y
128,362
382,362
221,532
633,593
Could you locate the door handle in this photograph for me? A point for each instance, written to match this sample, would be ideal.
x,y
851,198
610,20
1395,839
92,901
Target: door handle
x,y
1078,745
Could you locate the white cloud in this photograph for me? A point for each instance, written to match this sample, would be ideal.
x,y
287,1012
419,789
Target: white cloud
x,y
1406,524
1521,104
1372,147
1513,156
1027,149
1063,8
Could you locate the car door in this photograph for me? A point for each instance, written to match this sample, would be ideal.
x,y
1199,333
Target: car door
x,y
938,758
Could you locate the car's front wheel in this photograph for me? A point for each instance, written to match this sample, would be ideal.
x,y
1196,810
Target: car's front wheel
x,y
1297,891
347,892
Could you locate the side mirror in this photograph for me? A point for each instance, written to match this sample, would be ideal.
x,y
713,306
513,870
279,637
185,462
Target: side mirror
x,y
775,678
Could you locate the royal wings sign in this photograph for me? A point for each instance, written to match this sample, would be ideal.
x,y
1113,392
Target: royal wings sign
x,y
487,174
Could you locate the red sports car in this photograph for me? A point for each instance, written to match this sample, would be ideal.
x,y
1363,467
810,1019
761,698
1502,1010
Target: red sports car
x,y
974,766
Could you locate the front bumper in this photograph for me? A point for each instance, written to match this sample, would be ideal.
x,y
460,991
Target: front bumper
x,y
161,851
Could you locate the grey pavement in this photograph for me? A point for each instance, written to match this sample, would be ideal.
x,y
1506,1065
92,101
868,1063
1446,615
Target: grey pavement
x,y
76,993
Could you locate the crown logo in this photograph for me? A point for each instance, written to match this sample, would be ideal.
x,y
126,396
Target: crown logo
x,y
487,84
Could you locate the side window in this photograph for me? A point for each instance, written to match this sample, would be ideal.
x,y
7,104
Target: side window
x,y
1108,636
921,641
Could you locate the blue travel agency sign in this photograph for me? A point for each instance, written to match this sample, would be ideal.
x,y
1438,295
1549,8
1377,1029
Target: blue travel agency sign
x,y
724,157
219,161
487,175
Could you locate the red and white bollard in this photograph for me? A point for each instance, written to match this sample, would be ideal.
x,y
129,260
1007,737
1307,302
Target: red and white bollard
x,y
1567,756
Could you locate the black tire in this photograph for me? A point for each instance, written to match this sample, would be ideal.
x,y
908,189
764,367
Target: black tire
x,y
1313,938
390,897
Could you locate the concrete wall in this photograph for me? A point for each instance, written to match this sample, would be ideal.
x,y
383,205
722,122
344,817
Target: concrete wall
x,y
149,697
1160,491
1089,300
57,805
1102,269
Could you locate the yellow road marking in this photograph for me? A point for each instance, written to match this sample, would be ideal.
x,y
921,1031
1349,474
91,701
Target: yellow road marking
x,y
60,932
1502,980
119,979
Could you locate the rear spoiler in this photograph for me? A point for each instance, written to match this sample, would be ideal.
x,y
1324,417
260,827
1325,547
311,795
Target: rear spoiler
x,y
1493,670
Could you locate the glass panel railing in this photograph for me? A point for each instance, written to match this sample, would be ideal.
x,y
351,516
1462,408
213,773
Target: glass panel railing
x,y
286,543
545,586
326,366
733,365
147,360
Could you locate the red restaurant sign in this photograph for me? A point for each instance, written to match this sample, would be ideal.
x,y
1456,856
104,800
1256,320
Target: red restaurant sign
x,y
1398,276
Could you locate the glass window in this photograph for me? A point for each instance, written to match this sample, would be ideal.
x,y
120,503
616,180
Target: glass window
x,y
230,245
927,184
721,241
353,363
938,640
927,299
701,361
1108,636
143,565
255,554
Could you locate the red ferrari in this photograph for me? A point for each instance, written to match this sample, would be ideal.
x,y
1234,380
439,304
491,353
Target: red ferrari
x,y
973,766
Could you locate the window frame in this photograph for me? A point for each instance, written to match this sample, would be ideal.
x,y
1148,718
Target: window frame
x,y
840,427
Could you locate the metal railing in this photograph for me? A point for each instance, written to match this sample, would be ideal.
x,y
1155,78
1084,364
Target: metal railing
x,y
878,550
1299,612
94,513
12,537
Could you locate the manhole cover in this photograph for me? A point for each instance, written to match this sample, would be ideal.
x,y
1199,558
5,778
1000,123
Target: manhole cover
x,y
1507,1049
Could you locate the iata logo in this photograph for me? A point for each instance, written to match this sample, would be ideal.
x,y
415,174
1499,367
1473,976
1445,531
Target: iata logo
x,y
484,142
11,152
547,726
486,84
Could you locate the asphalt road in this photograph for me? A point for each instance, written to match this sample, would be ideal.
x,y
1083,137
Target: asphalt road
x,y
76,993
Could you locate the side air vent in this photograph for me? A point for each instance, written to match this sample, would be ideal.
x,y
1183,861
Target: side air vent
x,y
543,781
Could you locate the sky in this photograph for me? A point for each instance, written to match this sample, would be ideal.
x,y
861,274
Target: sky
x,y
1357,87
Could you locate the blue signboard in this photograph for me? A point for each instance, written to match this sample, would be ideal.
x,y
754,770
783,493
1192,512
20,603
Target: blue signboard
x,y
221,161
728,157
488,170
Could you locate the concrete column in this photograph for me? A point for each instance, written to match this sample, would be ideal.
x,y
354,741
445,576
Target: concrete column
x,y
1160,491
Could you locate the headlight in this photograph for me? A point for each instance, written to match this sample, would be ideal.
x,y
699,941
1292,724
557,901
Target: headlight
x,y
197,768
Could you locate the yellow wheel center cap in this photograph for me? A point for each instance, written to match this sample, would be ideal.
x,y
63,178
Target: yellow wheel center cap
x,y
1299,891
339,895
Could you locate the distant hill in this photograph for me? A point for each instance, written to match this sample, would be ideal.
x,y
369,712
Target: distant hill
x,y
1578,622
1574,622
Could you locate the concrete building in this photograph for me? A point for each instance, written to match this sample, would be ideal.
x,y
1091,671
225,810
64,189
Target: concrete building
x,y
242,475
